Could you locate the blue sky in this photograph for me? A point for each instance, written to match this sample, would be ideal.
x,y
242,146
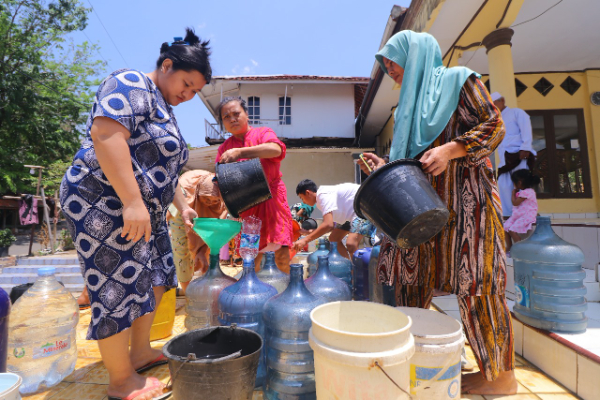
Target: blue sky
x,y
309,37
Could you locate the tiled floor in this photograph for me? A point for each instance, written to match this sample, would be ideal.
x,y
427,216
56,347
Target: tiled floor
x,y
89,380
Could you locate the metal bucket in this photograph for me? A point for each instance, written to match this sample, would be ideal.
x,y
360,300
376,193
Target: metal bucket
x,y
399,200
217,363
243,185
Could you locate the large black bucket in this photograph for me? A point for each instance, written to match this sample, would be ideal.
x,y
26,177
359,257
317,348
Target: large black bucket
x,y
399,200
242,185
213,373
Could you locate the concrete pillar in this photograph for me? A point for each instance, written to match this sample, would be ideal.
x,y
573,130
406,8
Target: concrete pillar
x,y
502,72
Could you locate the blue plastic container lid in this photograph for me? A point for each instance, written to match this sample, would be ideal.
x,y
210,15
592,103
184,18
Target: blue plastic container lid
x,y
46,271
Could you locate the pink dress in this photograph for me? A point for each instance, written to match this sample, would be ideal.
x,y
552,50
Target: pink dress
x,y
524,214
274,213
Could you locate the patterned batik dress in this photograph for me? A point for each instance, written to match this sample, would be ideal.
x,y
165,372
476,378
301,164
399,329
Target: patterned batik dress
x,y
119,273
467,257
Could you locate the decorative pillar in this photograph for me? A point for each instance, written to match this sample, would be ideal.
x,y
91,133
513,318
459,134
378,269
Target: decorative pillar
x,y
502,72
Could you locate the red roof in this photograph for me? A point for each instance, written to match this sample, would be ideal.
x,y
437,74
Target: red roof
x,y
293,78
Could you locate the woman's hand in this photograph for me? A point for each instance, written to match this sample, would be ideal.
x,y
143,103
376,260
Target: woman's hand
x,y
188,216
300,244
136,221
374,162
435,161
231,155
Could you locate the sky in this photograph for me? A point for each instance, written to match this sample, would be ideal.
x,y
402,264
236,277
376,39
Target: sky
x,y
260,37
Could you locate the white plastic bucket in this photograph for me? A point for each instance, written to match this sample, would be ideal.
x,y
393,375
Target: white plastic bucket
x,y
435,366
9,386
353,343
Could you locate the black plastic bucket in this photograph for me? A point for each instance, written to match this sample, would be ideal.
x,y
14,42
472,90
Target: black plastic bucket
x,y
309,224
399,200
242,185
214,372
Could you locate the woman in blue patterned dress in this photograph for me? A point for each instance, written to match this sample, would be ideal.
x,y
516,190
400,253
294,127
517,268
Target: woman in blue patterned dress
x,y
116,194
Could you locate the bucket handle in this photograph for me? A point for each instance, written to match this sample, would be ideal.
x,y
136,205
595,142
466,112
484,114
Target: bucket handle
x,y
376,363
440,372
192,357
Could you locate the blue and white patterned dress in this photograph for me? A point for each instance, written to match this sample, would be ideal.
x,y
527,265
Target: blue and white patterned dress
x,y
120,274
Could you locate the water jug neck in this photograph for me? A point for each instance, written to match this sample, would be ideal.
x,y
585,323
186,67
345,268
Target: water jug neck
x,y
323,265
214,269
269,261
249,271
297,277
333,248
322,244
543,228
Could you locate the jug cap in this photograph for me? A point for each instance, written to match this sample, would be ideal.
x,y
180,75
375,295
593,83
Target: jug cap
x,y
46,271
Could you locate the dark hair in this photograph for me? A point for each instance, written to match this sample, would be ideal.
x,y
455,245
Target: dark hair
x,y
525,176
305,185
227,100
189,54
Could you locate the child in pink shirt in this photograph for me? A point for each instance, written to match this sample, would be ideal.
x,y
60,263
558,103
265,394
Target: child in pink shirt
x,y
525,207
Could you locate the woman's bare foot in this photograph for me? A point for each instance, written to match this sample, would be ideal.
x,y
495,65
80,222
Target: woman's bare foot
x,y
147,388
475,383
139,359
84,298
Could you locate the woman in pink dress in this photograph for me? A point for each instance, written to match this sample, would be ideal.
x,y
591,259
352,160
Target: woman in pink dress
x,y
525,207
259,142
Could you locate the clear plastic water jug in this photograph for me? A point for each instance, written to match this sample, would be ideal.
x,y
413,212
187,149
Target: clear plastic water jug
x,y
549,281
360,274
326,285
42,346
312,259
202,296
339,265
242,303
272,275
250,238
290,362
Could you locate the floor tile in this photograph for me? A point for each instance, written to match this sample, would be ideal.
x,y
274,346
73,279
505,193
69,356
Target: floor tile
x,y
472,397
82,367
78,391
97,375
557,396
48,394
518,396
537,382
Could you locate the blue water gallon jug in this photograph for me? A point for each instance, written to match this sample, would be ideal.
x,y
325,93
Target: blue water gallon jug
x,y
360,274
375,288
272,275
326,285
339,265
290,362
312,259
242,303
202,297
4,313
549,281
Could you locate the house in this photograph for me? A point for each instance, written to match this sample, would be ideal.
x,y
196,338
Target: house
x,y
544,57
313,115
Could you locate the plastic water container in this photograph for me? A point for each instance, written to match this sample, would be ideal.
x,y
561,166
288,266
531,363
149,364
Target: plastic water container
x,y
322,250
349,338
375,288
435,367
326,285
340,266
242,303
42,347
272,275
549,281
202,296
164,318
4,315
290,365
250,238
9,386
360,274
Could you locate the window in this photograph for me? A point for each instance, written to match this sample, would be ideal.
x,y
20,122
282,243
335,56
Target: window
x,y
562,160
254,110
285,111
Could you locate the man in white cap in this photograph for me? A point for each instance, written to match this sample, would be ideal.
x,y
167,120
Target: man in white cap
x,y
515,152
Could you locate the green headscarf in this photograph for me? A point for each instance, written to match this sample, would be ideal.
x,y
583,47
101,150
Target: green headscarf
x,y
428,95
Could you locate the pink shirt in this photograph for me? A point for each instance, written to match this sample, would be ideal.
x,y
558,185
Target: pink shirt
x,y
274,213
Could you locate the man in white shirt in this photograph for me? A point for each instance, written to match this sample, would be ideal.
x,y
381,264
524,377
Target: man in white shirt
x,y
336,203
518,144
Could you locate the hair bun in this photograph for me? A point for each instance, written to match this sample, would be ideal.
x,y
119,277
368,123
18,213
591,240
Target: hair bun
x,y
164,47
191,37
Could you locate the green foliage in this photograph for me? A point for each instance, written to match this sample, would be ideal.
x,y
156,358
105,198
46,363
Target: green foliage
x,y
45,87
6,238
66,241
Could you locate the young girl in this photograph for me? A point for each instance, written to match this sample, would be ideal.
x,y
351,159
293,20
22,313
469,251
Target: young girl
x,y
524,207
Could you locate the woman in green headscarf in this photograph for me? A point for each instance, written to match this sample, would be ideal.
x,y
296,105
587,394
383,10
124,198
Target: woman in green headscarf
x,y
446,119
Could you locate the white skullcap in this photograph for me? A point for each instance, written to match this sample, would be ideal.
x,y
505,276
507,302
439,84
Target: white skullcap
x,y
496,96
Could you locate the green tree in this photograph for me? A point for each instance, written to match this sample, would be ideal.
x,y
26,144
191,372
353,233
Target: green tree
x,y
45,82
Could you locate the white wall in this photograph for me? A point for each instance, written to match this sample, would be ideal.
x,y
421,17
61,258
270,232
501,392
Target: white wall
x,y
318,109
